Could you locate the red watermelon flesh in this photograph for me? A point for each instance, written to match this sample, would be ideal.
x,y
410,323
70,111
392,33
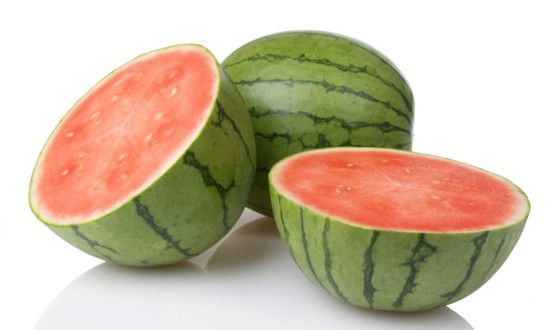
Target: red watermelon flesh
x,y
124,134
399,190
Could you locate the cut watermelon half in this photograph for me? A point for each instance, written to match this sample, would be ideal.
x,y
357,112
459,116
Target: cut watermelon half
x,y
395,230
124,134
146,145
393,190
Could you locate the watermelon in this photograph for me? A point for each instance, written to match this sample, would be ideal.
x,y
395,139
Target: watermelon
x,y
394,230
313,89
151,166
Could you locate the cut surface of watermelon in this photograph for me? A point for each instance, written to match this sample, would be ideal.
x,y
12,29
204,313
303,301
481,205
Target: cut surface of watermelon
x,y
399,190
128,130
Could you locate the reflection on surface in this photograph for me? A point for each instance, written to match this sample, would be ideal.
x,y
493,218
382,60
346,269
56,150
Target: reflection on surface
x,y
248,280
272,290
114,297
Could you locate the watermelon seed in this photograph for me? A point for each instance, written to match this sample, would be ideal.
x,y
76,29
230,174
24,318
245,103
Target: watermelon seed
x,y
407,170
69,135
351,165
114,98
65,172
148,137
173,91
122,156
158,116
436,197
123,176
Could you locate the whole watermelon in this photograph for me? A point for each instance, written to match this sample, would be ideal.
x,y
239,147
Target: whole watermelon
x,y
312,89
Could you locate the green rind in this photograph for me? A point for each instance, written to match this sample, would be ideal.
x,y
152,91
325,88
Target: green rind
x,y
310,89
389,270
191,206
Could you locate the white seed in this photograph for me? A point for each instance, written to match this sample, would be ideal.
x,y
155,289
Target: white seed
x,y
172,74
148,137
407,170
65,172
123,176
351,165
115,98
69,135
158,116
122,156
173,91
436,197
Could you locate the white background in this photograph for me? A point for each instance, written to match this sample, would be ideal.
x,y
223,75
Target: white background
x,y
480,75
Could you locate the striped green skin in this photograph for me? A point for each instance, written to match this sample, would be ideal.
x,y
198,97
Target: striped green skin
x,y
191,206
308,89
390,270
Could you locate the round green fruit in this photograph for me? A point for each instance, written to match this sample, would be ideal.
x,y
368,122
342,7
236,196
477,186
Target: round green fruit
x,y
312,89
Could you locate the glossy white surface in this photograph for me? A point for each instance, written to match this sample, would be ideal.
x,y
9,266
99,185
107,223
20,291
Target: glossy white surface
x,y
248,280
479,72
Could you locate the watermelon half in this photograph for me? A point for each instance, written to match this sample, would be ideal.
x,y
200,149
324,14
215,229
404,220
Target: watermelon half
x,y
153,165
395,230
314,89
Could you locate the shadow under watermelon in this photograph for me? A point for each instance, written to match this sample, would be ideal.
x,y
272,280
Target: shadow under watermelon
x,y
247,280
263,280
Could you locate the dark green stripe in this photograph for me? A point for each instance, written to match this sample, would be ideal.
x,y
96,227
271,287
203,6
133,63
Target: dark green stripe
x,y
190,159
502,241
326,62
368,289
421,252
286,233
273,136
94,244
478,241
328,262
322,140
143,212
348,125
305,244
222,115
328,88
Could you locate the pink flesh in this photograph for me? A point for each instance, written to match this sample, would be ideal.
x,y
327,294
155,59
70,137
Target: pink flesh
x,y
125,133
400,191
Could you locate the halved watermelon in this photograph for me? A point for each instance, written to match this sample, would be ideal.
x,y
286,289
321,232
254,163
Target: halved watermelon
x,y
395,230
153,165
